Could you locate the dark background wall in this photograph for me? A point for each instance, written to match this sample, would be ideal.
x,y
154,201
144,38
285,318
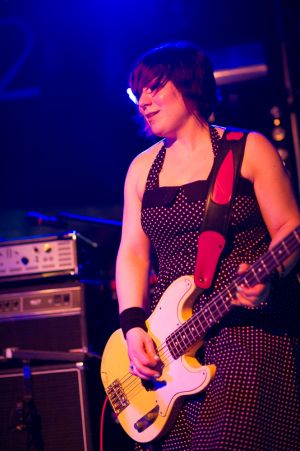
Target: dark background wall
x,y
68,131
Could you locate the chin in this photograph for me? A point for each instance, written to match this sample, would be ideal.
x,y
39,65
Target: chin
x,y
157,132
159,135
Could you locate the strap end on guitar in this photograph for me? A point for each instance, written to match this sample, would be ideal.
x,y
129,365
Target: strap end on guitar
x,y
210,247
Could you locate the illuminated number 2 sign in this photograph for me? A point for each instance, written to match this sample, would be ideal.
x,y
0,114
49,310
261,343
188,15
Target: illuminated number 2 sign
x,y
10,73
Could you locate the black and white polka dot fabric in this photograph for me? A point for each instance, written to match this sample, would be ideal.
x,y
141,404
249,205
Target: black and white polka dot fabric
x,y
252,403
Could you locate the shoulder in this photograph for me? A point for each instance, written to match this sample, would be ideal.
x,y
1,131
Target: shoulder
x,y
260,155
146,157
256,138
140,167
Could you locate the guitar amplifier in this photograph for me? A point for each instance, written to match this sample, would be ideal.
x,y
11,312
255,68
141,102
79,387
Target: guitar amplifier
x,y
40,257
64,414
58,317
59,415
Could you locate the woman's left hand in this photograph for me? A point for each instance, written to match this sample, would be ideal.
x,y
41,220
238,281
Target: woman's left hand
x,y
252,296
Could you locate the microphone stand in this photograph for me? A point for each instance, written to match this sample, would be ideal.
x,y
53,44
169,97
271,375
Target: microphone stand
x,y
26,417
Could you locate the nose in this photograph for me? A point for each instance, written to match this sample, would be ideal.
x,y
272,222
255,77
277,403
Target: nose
x,y
145,99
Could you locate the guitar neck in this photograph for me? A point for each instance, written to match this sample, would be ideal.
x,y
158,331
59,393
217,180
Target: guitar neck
x,y
195,328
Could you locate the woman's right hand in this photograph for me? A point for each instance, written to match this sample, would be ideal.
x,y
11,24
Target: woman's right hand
x,y
144,361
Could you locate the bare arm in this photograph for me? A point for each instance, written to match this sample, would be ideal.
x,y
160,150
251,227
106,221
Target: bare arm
x,y
273,191
133,259
262,165
132,271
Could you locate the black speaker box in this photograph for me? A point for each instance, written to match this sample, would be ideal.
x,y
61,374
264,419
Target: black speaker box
x,y
57,415
67,398
62,414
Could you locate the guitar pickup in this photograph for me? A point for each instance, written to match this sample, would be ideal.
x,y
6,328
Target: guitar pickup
x,y
153,384
146,421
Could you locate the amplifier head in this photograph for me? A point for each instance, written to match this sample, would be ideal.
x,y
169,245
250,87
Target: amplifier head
x,y
40,257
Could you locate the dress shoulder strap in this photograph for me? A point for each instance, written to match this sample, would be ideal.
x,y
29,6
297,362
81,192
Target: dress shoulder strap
x,y
153,175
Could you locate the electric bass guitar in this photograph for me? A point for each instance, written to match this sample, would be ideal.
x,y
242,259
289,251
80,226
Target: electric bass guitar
x,y
147,409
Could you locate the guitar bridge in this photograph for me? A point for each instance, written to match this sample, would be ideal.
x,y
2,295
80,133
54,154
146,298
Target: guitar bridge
x,y
146,421
117,396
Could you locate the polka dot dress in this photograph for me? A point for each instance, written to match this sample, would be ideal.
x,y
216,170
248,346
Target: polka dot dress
x,y
252,403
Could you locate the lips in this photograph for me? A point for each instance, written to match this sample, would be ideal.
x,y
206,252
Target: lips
x,y
150,115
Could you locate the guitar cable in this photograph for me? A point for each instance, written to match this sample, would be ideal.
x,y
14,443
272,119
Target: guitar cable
x,y
101,437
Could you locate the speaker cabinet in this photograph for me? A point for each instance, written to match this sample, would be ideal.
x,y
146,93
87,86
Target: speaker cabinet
x,y
57,317
58,418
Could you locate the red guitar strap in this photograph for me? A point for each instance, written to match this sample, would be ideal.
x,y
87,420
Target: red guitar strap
x,y
224,179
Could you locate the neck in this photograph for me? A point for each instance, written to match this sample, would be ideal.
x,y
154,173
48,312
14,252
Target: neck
x,y
190,138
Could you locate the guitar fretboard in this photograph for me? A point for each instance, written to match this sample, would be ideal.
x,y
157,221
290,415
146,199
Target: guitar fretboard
x,y
195,328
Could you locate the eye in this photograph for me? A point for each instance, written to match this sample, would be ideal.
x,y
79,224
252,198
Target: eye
x,y
155,85
152,87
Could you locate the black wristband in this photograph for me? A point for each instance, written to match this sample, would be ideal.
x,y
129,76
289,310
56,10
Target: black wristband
x,y
132,317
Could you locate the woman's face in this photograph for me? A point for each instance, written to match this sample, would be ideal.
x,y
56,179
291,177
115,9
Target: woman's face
x,y
163,109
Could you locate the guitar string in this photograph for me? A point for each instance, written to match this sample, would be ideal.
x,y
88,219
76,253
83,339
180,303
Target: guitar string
x,y
132,378
128,378
163,353
267,259
215,138
137,379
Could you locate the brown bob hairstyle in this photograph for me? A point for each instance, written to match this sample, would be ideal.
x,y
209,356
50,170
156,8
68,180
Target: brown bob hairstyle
x,y
186,66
